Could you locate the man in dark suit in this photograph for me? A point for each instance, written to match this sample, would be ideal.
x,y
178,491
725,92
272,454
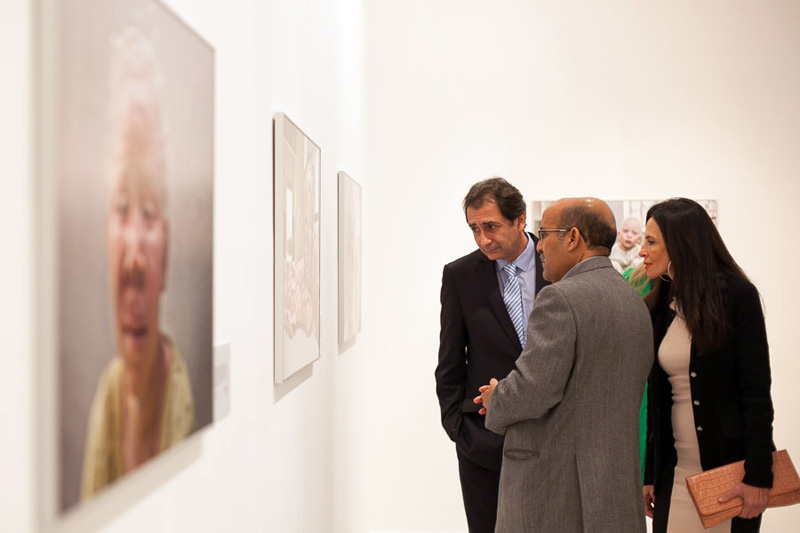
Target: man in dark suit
x,y
486,298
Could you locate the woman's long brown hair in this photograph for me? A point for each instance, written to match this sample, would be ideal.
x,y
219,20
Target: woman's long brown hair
x,y
699,257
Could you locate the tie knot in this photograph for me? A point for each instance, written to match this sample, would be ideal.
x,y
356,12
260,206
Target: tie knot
x,y
511,269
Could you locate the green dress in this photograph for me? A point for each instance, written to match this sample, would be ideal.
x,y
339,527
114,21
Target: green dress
x,y
643,289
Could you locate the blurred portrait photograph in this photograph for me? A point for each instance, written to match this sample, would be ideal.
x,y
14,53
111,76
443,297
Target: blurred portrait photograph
x,y
133,159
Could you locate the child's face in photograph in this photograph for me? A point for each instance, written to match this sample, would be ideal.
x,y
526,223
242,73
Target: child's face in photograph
x,y
629,234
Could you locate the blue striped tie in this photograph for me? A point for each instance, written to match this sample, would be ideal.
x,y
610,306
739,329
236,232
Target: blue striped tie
x,y
512,296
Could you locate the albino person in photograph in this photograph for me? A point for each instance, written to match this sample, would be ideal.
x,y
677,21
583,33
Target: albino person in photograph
x,y
625,253
143,402
570,409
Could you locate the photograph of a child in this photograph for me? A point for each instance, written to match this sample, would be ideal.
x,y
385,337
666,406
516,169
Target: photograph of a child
x,y
625,253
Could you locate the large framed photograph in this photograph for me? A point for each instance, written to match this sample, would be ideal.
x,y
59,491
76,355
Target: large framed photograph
x,y
349,258
296,196
630,216
127,159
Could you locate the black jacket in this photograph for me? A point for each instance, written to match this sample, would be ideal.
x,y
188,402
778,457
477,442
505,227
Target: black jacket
x,y
477,342
730,389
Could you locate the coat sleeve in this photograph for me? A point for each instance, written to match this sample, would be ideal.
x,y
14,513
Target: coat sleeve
x,y
649,457
538,382
753,372
451,372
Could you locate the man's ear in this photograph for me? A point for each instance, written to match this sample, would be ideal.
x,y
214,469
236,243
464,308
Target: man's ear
x,y
573,238
521,221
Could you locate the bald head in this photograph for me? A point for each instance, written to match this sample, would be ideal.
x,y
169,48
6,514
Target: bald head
x,y
593,218
574,229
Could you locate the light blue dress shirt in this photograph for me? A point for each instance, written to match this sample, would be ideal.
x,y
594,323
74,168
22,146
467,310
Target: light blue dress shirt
x,y
526,275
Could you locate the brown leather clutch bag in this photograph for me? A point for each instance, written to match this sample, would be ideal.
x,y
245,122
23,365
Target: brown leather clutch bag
x,y
706,487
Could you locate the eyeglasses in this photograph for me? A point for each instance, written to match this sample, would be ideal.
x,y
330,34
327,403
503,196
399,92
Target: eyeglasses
x,y
542,232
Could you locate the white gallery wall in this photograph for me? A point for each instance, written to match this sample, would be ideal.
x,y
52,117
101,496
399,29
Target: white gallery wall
x,y
416,100
16,410
619,99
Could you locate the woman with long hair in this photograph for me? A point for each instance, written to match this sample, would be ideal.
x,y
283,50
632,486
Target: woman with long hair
x,y
709,400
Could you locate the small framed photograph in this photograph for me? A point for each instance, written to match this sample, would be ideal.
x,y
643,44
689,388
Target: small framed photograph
x,y
349,259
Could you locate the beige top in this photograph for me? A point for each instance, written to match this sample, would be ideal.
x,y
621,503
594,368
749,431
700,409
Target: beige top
x,y
674,356
102,462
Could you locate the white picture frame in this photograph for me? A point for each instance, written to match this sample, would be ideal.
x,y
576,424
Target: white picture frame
x,y
296,202
349,259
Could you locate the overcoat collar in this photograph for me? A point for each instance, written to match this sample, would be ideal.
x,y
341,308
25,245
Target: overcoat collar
x,y
597,261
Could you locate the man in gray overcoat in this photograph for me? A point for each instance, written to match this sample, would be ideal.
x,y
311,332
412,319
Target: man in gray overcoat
x,y
570,409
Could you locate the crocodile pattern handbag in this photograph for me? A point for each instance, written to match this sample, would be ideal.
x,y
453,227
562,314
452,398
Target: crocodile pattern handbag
x,y
706,487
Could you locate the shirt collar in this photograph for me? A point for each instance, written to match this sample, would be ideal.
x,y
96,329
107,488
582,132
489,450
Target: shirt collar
x,y
524,260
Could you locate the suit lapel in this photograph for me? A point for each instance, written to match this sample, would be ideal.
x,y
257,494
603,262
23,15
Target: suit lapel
x,y
487,275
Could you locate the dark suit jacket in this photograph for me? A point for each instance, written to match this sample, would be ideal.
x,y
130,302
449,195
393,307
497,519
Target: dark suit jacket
x,y
730,390
477,342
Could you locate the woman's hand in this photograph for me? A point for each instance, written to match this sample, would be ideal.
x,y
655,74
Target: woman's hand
x,y
755,499
649,500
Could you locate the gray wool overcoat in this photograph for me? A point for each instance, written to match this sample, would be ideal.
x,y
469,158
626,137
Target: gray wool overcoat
x,y
570,410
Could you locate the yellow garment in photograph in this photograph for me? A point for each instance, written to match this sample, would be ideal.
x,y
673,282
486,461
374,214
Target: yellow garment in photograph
x,y
102,461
